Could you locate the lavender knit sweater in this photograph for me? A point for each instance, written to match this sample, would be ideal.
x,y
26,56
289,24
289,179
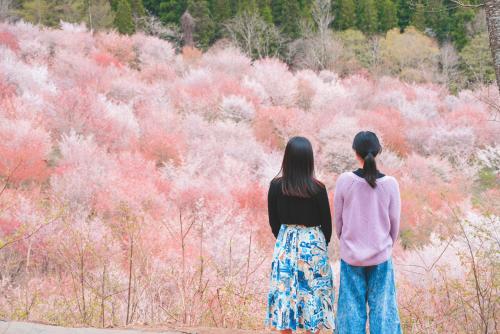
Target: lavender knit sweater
x,y
366,218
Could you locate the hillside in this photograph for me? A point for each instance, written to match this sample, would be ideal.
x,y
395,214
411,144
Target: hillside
x,y
133,180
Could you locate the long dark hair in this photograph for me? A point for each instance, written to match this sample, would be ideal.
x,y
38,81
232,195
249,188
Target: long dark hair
x,y
367,146
297,169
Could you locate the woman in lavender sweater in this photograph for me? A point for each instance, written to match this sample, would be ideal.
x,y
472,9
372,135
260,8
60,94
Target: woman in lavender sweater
x,y
367,212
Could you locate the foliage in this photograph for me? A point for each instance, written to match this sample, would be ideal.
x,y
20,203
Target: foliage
x,y
411,54
204,25
123,19
366,16
440,19
387,15
345,14
476,61
97,14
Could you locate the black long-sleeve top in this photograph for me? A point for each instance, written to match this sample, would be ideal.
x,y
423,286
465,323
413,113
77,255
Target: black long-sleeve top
x,y
291,210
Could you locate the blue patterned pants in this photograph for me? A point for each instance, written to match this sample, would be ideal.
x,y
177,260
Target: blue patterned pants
x,y
375,286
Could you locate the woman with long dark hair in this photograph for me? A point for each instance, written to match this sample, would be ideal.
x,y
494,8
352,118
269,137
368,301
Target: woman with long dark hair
x,y
301,292
367,212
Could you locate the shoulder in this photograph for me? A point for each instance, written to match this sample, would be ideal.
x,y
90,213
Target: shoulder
x,y
345,177
275,184
321,187
392,180
391,183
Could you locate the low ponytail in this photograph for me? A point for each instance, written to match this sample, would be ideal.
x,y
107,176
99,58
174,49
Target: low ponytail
x,y
367,146
370,168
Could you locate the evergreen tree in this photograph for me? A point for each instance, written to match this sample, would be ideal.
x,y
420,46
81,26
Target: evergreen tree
x,y
345,14
418,17
387,15
290,18
221,13
404,11
277,7
265,11
152,6
170,11
137,8
39,12
221,10
366,16
437,19
204,29
458,26
70,11
123,18
246,6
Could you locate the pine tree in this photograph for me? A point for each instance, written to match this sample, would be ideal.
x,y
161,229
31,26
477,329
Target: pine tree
x,y
418,17
387,15
137,8
170,11
38,12
404,13
438,19
246,6
221,10
458,26
204,29
123,18
277,7
221,13
290,18
152,6
366,16
345,14
265,11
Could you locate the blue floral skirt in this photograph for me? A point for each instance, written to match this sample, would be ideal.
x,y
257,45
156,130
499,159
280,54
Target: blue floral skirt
x,y
301,295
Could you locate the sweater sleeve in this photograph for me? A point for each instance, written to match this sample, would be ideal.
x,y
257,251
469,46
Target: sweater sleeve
x,y
395,211
338,204
326,216
272,208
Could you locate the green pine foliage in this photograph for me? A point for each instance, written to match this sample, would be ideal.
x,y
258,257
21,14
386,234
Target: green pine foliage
x,y
265,10
170,11
204,29
290,18
246,6
124,22
345,14
476,61
43,12
387,15
137,8
366,16
418,18
277,7
404,13
458,26
437,19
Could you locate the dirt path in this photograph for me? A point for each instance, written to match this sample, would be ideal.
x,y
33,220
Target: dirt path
x,y
13,327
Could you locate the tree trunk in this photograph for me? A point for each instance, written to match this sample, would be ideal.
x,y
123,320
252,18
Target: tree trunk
x,y
129,292
492,8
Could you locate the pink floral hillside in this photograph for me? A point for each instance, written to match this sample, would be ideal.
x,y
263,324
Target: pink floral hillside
x,y
134,178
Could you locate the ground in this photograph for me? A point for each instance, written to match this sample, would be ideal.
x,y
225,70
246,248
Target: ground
x,y
34,328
